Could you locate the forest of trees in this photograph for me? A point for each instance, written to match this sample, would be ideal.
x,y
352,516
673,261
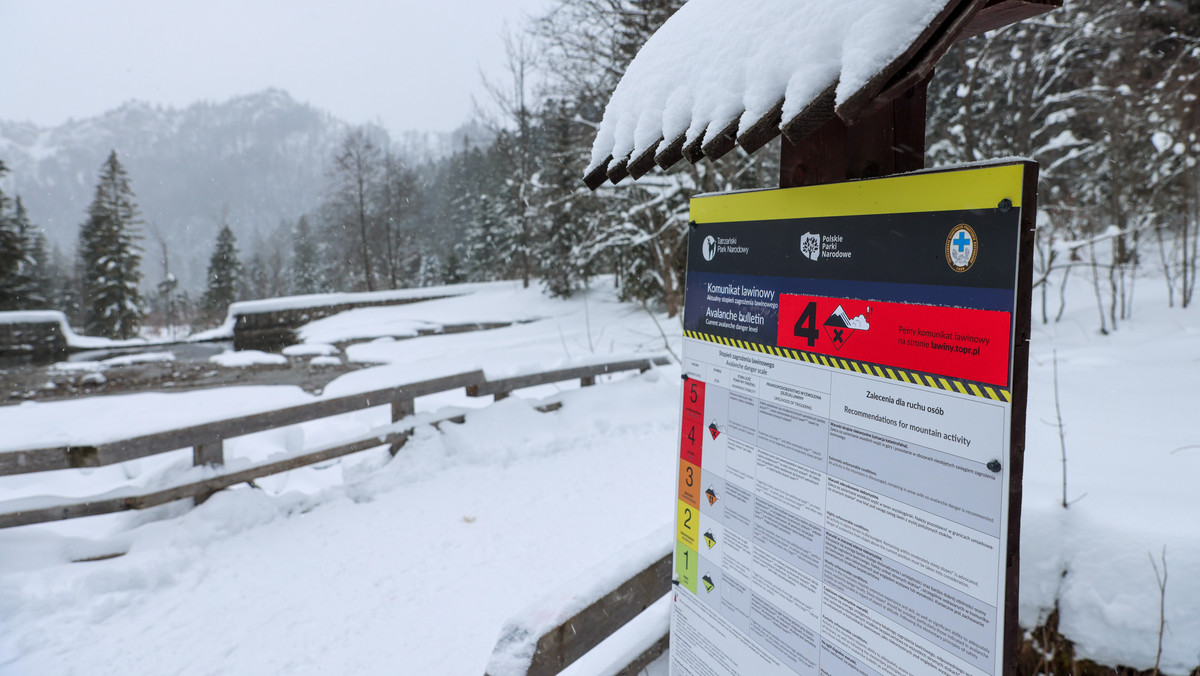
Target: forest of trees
x,y
1103,94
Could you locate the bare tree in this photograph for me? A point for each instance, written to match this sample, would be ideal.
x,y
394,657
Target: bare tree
x,y
356,175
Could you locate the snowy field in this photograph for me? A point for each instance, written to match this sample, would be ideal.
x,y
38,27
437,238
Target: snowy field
x,y
373,565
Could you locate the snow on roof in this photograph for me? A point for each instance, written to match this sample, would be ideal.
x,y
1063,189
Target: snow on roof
x,y
725,71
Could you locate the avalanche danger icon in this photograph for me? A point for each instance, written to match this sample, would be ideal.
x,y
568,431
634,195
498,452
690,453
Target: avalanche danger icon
x,y
714,429
840,327
710,539
711,495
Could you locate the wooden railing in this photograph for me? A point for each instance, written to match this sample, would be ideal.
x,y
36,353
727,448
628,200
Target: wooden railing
x,y
565,624
207,442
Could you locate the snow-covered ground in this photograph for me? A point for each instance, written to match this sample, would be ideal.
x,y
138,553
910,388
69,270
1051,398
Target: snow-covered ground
x,y
411,565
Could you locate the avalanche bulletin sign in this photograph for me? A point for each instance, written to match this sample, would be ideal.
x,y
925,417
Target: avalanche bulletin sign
x,y
853,419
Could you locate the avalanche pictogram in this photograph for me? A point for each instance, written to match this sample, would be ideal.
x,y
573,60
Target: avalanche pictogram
x,y
714,429
711,495
840,327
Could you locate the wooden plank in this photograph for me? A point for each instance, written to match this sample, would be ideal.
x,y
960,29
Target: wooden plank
x,y
36,460
914,64
764,130
1001,13
44,459
618,170
574,638
723,142
672,153
596,177
694,152
490,387
192,489
648,655
889,141
644,162
812,117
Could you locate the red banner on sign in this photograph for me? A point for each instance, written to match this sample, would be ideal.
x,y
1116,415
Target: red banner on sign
x,y
954,342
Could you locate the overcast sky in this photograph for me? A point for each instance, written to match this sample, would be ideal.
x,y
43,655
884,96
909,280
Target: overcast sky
x,y
408,64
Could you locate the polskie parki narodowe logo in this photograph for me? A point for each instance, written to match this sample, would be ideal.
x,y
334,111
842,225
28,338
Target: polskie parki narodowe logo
x,y
962,247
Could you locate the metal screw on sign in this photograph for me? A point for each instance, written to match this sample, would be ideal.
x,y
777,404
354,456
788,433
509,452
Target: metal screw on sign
x,y
1004,205
994,466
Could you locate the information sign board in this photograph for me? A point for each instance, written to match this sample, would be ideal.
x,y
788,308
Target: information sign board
x,y
853,414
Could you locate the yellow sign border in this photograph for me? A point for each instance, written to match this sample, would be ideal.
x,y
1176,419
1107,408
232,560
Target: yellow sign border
x,y
950,190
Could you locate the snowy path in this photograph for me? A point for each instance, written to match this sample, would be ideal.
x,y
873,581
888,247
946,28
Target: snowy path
x,y
411,570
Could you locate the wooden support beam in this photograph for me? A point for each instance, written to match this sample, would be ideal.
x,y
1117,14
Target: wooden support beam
x,y
587,381
1000,13
889,141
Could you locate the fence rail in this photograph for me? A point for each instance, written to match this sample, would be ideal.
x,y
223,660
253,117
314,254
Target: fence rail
x,y
207,441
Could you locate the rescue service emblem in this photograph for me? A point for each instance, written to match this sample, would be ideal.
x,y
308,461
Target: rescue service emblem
x,y
962,247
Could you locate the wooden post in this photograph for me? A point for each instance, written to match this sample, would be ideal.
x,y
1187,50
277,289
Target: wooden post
x,y
209,453
402,408
890,140
500,395
587,381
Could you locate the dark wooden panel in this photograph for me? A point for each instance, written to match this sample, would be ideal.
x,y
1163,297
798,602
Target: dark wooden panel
x,y
574,638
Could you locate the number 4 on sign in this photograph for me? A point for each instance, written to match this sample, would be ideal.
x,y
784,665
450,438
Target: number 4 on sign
x,y
806,325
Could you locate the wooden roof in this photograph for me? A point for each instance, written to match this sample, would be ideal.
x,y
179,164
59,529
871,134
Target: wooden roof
x,y
960,19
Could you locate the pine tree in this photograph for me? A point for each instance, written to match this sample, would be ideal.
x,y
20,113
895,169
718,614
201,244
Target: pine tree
x,y
224,274
34,282
306,265
111,256
11,252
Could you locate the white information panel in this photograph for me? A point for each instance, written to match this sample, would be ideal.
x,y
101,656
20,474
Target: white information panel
x,y
846,455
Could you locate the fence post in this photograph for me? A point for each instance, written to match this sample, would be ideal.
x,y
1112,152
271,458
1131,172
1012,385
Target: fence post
x,y
209,453
587,381
401,408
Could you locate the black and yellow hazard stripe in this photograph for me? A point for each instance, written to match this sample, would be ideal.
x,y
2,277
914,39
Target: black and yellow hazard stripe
x,y
933,381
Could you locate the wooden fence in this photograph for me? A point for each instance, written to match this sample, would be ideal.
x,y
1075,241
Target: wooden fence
x,y
207,442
